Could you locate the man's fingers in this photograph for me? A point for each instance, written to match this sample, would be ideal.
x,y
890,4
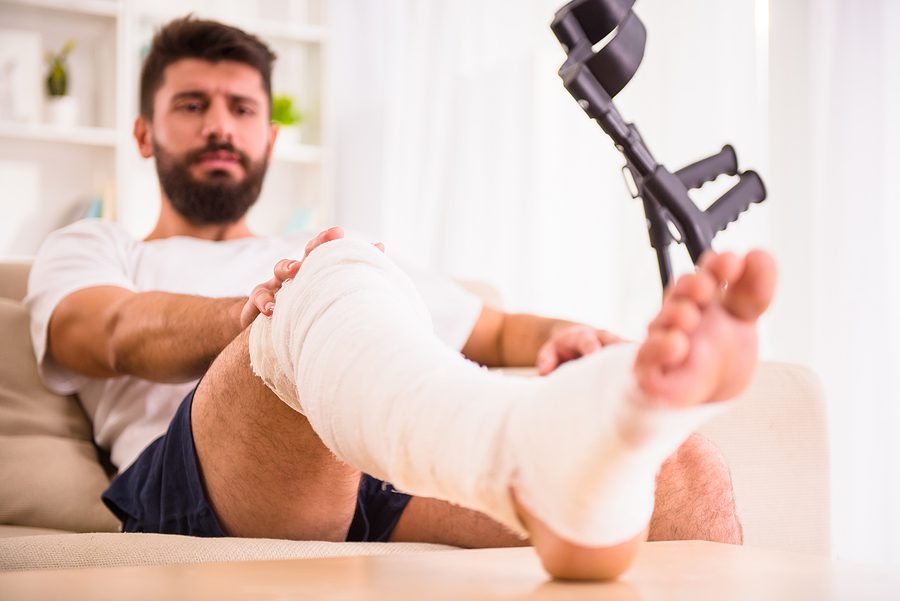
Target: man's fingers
x,y
547,359
587,342
571,343
248,314
312,244
285,269
266,304
263,299
605,338
332,233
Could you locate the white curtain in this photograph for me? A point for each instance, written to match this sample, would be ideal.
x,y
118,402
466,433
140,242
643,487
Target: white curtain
x,y
834,153
855,219
457,145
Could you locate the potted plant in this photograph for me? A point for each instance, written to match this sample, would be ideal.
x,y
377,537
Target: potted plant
x,y
62,109
286,116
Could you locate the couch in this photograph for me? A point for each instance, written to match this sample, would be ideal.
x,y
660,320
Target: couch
x,y
52,474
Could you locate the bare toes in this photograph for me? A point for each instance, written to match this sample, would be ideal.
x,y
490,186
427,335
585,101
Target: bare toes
x,y
679,313
750,295
699,288
659,355
725,267
662,349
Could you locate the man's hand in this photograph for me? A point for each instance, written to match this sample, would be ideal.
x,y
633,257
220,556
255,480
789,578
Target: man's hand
x,y
262,299
571,342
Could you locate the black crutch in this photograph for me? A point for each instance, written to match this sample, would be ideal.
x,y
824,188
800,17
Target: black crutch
x,y
594,78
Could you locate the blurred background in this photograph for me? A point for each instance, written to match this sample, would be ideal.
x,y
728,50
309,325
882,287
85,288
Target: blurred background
x,y
441,128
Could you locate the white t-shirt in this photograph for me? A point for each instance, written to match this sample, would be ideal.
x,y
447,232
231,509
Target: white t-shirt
x,y
128,413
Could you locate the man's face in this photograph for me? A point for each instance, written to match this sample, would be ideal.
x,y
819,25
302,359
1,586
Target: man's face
x,y
211,137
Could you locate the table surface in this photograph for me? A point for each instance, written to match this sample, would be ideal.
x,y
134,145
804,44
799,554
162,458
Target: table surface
x,y
692,570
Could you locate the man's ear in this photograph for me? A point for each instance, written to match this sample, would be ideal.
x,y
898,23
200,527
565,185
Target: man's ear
x,y
143,134
273,135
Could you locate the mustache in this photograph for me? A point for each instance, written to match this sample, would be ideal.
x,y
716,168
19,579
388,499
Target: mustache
x,y
193,156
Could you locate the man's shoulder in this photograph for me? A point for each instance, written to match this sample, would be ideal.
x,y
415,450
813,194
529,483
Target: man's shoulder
x,y
82,247
86,229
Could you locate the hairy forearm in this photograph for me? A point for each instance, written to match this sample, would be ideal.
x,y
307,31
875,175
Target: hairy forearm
x,y
171,337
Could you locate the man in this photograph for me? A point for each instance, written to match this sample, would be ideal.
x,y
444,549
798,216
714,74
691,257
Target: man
x,y
132,325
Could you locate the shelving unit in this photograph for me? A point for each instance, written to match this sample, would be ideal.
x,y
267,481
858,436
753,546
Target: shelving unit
x,y
54,172
100,8
42,132
297,153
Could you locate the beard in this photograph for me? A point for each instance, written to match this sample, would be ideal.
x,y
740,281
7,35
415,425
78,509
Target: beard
x,y
217,200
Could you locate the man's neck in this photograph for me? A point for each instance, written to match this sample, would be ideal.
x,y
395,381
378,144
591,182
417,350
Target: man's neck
x,y
171,223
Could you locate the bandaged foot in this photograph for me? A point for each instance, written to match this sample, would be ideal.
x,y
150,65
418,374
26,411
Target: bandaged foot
x,y
350,346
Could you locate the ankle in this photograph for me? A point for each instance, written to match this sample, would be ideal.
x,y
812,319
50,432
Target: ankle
x,y
566,560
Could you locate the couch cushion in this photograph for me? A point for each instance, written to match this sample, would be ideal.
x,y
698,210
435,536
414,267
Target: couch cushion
x,y
48,464
14,279
775,440
7,531
110,550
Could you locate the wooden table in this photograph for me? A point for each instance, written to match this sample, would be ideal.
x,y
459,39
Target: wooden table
x,y
694,571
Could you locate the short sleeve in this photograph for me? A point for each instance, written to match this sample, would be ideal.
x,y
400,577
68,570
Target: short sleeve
x,y
83,255
454,310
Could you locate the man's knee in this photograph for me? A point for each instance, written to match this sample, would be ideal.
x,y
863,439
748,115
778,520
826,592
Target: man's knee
x,y
265,471
694,497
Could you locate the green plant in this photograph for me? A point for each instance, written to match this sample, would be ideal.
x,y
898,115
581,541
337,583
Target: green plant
x,y
58,73
283,111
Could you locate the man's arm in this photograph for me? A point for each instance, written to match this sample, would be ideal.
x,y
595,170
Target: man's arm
x,y
522,340
108,331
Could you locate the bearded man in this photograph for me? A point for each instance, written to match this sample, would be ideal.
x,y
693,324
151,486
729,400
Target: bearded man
x,y
153,336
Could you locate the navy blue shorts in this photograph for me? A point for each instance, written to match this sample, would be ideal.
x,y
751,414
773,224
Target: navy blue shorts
x,y
162,492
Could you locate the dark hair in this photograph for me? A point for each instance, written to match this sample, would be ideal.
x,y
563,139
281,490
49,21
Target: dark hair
x,y
189,37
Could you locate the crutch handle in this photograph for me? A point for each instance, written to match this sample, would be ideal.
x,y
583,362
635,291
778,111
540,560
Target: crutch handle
x,y
708,169
749,190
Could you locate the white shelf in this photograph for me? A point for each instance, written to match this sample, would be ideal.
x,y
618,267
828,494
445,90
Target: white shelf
x,y
99,8
112,34
310,34
297,153
99,136
266,28
86,136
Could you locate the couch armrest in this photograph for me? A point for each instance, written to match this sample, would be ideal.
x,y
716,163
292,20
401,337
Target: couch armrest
x,y
14,279
775,440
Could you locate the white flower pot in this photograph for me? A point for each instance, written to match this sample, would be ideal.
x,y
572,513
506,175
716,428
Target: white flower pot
x,y
290,134
62,111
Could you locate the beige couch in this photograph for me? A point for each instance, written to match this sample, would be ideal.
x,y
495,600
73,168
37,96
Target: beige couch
x,y
51,514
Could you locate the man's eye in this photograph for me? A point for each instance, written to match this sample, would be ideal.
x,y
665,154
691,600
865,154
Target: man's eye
x,y
191,107
245,111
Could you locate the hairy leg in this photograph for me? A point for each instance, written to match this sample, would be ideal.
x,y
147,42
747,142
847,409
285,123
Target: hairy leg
x,y
694,496
436,521
265,471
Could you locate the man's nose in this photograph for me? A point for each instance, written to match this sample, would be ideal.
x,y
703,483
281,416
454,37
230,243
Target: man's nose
x,y
218,121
